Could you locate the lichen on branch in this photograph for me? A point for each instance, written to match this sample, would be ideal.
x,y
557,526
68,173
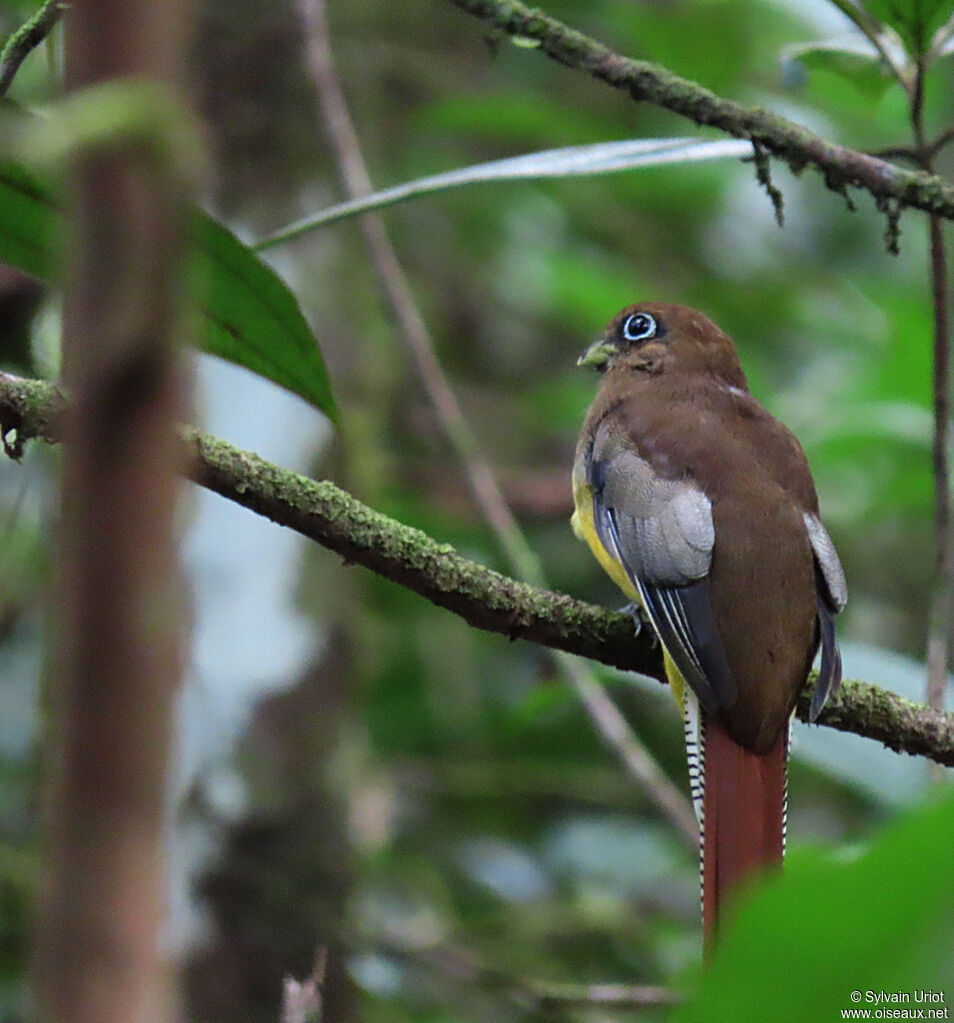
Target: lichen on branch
x,y
652,83
482,597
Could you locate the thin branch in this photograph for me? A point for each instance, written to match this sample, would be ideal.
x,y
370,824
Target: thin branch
x,y
618,997
407,556
923,156
413,330
26,39
942,583
323,512
937,146
615,730
524,562
538,997
483,598
908,153
652,83
942,590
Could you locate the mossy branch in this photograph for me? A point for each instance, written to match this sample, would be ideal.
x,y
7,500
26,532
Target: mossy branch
x,y
652,83
482,597
26,39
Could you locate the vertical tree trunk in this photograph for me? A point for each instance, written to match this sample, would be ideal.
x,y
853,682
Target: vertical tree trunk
x,y
118,614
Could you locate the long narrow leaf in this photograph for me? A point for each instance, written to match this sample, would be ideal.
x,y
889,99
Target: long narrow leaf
x,y
574,161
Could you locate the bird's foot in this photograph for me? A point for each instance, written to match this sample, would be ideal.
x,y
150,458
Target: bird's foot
x,y
640,619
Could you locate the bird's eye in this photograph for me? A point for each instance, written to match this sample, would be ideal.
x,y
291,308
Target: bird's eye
x,y
639,326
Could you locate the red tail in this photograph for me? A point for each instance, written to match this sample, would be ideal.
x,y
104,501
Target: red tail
x,y
744,819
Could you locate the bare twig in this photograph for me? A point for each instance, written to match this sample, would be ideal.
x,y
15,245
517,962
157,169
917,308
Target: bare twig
x,y
942,604
937,146
413,330
460,964
483,598
545,998
618,997
303,1001
616,732
26,39
523,560
653,83
942,584
921,156
908,153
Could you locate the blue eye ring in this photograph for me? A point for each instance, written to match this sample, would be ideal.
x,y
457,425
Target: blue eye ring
x,y
639,327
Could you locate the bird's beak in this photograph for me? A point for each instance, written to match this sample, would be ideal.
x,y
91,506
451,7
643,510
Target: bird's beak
x,y
598,355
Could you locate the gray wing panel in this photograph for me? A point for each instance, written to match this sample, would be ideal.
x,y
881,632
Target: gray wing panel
x,y
661,532
664,527
828,562
832,594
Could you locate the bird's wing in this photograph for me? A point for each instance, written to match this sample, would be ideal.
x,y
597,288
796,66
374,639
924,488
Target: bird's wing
x,y
661,532
832,594
835,587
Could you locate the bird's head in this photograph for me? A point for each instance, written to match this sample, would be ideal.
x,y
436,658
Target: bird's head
x,y
656,337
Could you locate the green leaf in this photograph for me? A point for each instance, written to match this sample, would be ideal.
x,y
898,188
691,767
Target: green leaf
x,y
29,224
877,922
247,314
251,317
914,20
864,69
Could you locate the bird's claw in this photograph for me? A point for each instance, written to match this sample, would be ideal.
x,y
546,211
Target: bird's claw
x,y
640,619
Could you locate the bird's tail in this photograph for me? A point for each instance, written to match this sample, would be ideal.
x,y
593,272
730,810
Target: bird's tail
x,y
743,809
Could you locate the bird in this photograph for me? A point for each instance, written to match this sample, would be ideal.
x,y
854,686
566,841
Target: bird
x,y
701,507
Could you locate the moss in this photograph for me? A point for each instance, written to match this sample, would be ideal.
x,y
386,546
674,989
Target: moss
x,y
656,84
484,598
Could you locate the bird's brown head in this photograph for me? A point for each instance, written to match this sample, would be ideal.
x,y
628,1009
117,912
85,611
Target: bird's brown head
x,y
655,337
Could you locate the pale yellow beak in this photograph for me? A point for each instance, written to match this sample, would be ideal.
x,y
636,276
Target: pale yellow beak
x,y
598,355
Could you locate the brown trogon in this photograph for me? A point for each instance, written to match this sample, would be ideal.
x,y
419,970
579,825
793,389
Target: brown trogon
x,y
701,507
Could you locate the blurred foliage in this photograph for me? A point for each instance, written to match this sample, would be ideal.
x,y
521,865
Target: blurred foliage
x,y
432,802
870,935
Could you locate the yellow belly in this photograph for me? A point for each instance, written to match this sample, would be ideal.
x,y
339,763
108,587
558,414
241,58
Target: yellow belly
x,y
584,527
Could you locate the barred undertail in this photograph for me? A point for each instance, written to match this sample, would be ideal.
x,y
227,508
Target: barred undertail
x,y
695,736
695,749
695,733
